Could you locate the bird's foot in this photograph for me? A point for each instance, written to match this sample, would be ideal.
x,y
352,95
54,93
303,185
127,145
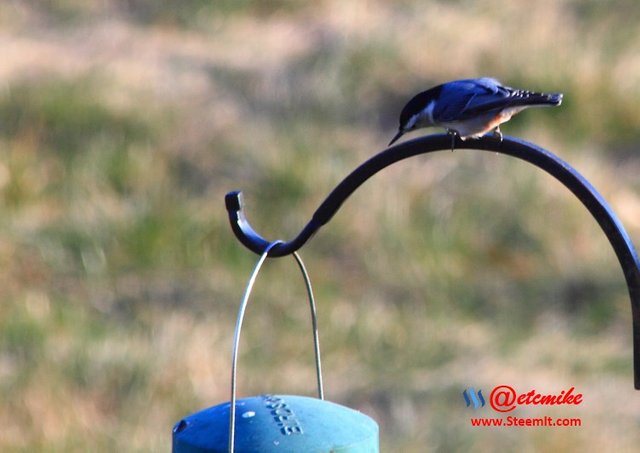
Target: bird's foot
x,y
497,134
453,135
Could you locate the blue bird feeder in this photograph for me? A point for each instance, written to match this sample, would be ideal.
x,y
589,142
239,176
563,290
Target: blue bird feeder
x,y
278,423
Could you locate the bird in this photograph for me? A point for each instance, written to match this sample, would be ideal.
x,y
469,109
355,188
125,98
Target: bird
x,y
469,108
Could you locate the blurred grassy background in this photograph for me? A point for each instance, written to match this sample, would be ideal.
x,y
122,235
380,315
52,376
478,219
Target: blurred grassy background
x,y
124,122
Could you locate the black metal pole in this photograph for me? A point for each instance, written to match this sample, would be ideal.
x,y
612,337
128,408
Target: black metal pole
x,y
541,158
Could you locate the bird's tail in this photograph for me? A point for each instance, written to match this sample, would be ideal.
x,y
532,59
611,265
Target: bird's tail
x,y
517,98
529,98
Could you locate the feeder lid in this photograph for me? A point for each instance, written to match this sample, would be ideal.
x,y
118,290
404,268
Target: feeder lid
x,y
278,423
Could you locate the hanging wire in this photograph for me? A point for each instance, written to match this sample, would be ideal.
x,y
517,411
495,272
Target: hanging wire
x,y
236,343
238,329
314,323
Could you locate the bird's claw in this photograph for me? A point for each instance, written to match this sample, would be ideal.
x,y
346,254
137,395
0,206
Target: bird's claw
x,y
452,134
497,134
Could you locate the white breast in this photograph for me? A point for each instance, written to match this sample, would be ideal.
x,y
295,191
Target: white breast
x,y
422,119
481,124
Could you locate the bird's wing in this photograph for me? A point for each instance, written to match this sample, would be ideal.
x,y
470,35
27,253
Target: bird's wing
x,y
462,99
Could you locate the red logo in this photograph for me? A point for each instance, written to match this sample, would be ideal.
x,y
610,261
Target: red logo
x,y
504,398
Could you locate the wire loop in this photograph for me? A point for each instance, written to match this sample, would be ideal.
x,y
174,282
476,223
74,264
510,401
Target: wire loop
x,y
238,329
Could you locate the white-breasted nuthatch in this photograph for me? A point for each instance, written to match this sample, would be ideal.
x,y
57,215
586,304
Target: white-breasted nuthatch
x,y
469,108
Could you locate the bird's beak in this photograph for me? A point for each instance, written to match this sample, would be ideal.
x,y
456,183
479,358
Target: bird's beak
x,y
398,135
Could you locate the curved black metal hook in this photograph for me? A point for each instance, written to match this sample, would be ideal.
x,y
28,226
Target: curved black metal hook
x,y
541,158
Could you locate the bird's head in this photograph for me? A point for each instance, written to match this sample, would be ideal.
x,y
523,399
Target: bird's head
x,y
418,112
